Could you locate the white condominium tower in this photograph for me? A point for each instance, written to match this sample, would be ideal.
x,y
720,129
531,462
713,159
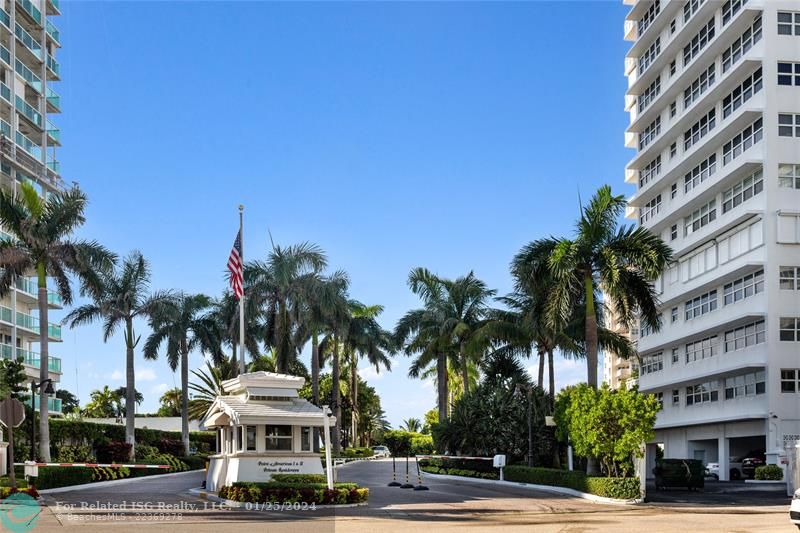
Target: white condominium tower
x,y
714,102
28,139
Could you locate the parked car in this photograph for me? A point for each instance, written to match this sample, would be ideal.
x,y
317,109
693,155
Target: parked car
x,y
751,461
380,451
734,469
794,509
687,473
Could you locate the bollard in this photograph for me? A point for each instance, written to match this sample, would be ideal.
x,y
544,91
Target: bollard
x,y
406,485
394,482
419,486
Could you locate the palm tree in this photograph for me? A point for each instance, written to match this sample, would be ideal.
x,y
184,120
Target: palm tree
x,y
279,286
208,387
171,402
123,296
412,424
184,323
102,403
41,242
121,401
226,313
331,347
622,262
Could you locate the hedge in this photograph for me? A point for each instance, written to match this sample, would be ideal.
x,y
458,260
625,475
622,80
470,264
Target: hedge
x,y
624,488
51,477
64,431
299,478
448,464
315,493
356,453
769,473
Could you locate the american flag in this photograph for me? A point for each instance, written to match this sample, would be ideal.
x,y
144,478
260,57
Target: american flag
x,y
235,267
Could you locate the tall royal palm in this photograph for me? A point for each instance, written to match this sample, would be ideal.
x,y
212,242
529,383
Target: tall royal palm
x,y
225,312
279,286
621,262
331,347
184,323
123,296
42,242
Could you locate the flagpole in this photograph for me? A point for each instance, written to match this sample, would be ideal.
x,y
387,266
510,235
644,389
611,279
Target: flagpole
x,y
241,300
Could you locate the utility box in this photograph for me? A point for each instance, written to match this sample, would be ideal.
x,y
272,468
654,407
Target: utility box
x,y
499,461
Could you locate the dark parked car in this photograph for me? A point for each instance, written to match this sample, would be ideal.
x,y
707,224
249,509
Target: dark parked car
x,y
751,461
689,473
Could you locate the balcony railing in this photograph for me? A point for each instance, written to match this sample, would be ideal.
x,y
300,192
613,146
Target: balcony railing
x,y
53,132
31,10
55,4
29,322
30,113
31,358
53,65
28,75
29,146
5,92
30,286
5,55
5,18
28,40
53,98
53,404
54,165
52,31
5,128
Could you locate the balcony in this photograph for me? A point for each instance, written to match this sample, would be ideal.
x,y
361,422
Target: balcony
x,y
53,32
53,7
29,146
53,101
30,323
31,358
54,165
31,10
5,92
53,66
34,46
54,134
53,404
29,112
30,288
27,74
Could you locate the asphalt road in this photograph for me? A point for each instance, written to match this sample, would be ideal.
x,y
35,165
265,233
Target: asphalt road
x,y
447,506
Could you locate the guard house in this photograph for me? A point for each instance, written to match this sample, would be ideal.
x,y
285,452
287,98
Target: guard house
x,y
263,428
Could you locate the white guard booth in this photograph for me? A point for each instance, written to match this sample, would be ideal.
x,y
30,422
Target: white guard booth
x,y
263,428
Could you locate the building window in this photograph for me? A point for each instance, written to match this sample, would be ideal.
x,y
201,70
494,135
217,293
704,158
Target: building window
x,y
790,278
702,349
649,94
702,393
673,109
673,150
700,173
789,378
741,94
672,27
673,191
789,175
744,336
788,23
742,141
278,438
790,329
249,438
660,399
789,125
305,439
649,55
703,304
749,384
675,356
673,232
788,73
729,9
674,314
652,363
741,45
672,68
650,171
700,218
650,209
788,228
698,87
676,397
649,133
744,287
699,129
649,16
690,8
698,42
742,191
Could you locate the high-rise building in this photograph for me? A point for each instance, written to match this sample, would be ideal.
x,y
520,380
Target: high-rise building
x,y
28,142
714,102
616,370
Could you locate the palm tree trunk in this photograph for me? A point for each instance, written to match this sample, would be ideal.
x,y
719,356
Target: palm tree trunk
x,y
591,333
234,359
315,382
336,400
44,422
541,368
464,369
354,399
552,380
441,385
185,396
130,388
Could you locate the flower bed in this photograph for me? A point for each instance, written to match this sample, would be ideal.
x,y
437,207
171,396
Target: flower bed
x,y
5,492
283,492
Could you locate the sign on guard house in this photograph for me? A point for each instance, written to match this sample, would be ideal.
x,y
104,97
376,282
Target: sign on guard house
x,y
263,428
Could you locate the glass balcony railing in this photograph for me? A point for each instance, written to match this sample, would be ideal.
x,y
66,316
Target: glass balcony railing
x,y
5,92
28,40
53,65
55,4
31,10
5,18
52,31
53,404
53,298
54,133
26,109
30,358
28,75
29,146
31,287
5,128
29,322
5,55
53,98
54,165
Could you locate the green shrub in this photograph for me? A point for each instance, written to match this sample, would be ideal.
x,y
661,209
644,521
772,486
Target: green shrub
x,y
422,445
113,452
316,493
447,463
194,462
299,478
51,477
74,454
144,452
357,452
398,442
622,488
5,492
769,473
609,487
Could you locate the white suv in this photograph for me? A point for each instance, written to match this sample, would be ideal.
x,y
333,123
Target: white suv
x,y
794,510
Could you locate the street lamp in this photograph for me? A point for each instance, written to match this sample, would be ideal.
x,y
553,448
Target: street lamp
x,y
529,388
49,390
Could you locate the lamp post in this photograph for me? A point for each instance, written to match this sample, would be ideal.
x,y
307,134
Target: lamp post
x,y
48,389
529,389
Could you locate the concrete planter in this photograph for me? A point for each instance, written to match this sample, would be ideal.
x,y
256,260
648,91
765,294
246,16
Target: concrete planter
x,y
760,485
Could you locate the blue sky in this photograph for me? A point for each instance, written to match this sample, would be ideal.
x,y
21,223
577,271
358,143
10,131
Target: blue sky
x,y
393,135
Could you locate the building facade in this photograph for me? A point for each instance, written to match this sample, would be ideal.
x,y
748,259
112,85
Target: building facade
x,y
714,102
29,41
616,370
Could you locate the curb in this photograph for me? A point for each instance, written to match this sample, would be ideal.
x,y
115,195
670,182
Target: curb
x,y
546,488
111,483
202,493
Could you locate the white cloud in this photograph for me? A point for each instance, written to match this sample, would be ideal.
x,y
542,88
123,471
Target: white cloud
x,y
116,375
159,389
567,372
145,374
